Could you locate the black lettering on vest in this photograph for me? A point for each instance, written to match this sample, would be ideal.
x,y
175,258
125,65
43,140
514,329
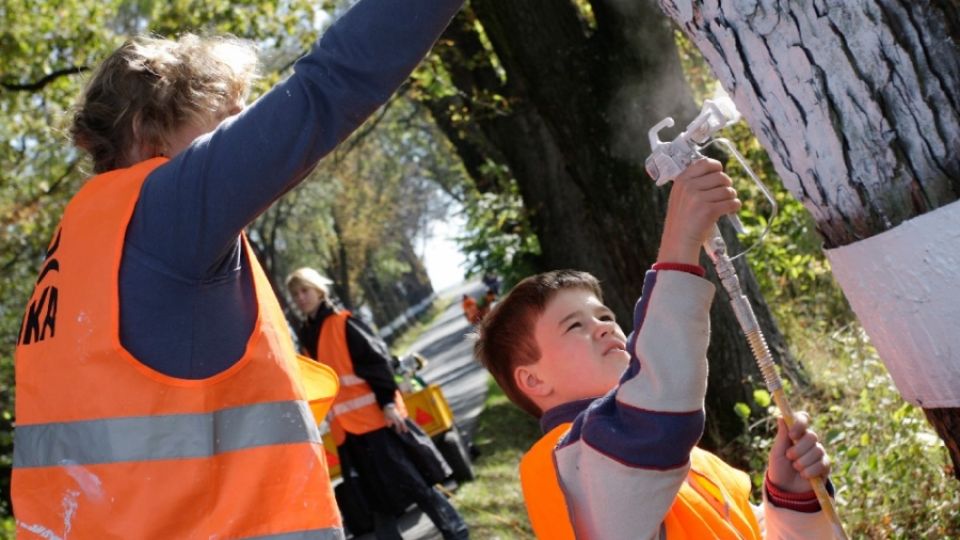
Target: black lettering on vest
x,y
52,265
52,248
33,328
50,320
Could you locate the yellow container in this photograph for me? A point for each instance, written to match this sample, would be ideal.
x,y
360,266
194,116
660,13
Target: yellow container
x,y
429,409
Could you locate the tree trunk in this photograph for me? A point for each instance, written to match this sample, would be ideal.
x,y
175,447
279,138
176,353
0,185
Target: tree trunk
x,y
576,101
341,267
390,299
858,105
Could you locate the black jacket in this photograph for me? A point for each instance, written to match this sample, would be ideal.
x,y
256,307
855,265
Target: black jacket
x,y
369,354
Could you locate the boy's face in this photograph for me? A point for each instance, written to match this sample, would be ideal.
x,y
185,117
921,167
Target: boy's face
x,y
582,349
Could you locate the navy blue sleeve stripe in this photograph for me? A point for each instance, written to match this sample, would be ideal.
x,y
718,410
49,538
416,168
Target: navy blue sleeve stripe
x,y
650,411
636,437
640,467
639,315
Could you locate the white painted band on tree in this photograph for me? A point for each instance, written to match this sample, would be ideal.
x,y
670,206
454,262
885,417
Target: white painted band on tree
x,y
904,286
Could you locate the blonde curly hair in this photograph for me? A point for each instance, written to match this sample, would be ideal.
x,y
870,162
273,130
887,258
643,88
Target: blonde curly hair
x,y
150,87
308,277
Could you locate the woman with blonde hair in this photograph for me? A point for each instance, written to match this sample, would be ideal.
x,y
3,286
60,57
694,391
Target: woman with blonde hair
x,y
368,413
157,391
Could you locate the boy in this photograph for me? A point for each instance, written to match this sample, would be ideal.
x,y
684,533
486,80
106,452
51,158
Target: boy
x,y
621,463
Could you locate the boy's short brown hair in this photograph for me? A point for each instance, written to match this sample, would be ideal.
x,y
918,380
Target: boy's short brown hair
x,y
506,337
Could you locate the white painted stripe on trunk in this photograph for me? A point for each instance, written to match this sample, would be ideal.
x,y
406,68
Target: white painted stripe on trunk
x,y
904,286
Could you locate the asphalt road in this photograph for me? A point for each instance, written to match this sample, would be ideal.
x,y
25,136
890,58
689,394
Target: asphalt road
x,y
449,351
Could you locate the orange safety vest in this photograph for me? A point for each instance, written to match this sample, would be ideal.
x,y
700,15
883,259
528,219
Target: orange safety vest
x,y
356,409
106,447
713,502
470,309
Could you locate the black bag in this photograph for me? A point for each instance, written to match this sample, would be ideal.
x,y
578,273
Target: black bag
x,y
424,454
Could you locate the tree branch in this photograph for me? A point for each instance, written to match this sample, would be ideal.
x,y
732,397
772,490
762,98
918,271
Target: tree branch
x,y
23,208
359,135
47,79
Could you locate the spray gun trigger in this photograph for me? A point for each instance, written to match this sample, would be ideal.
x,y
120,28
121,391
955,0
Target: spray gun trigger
x,y
653,134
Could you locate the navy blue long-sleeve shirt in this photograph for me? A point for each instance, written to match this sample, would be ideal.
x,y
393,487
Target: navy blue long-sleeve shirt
x,y
187,305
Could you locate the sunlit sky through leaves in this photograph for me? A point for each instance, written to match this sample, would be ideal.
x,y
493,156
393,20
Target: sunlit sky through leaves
x,y
441,256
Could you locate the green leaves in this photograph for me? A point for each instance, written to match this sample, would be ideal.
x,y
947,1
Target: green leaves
x,y
761,397
498,236
742,410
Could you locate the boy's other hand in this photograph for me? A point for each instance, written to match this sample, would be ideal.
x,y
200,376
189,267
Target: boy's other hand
x,y
796,456
699,196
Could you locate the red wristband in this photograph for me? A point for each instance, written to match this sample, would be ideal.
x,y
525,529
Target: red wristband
x,y
805,502
694,269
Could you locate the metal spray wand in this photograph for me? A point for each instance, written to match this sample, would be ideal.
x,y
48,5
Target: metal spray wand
x,y
667,160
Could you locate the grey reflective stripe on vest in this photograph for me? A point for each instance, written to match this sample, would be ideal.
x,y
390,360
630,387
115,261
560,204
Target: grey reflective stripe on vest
x,y
353,404
316,534
174,436
350,380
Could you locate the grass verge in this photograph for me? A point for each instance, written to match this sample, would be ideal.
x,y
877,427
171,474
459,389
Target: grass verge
x,y
493,503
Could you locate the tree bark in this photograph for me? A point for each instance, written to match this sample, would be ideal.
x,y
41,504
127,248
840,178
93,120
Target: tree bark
x,y
947,423
388,300
341,268
857,104
576,101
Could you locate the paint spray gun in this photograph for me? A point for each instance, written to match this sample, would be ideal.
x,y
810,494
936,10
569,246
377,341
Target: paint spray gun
x,y
670,158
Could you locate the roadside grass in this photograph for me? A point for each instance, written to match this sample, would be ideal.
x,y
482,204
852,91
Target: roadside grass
x,y
493,503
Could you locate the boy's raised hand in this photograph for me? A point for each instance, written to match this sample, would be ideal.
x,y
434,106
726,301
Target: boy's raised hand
x,y
796,456
698,198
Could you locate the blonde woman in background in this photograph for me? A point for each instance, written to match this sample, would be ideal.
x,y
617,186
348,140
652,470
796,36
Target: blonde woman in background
x,y
368,413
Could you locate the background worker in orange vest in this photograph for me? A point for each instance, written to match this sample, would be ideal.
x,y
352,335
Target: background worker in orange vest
x,y
158,395
470,309
367,413
622,416
486,304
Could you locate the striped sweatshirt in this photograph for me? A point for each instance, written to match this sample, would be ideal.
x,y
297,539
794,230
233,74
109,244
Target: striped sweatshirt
x,y
627,453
